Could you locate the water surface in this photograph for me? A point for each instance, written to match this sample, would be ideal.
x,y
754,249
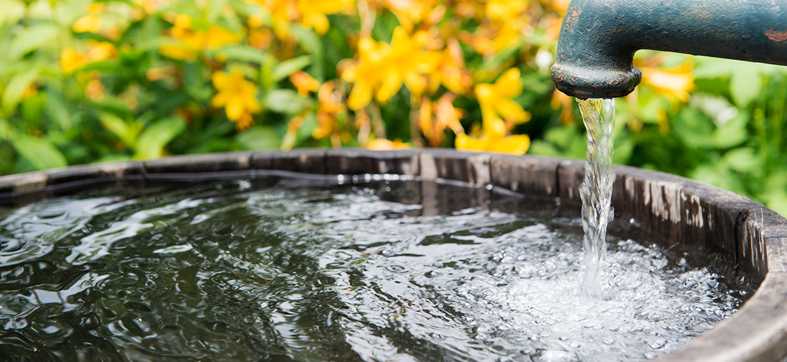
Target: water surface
x,y
283,270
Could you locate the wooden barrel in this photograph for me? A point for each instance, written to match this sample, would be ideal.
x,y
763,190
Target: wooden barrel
x,y
654,207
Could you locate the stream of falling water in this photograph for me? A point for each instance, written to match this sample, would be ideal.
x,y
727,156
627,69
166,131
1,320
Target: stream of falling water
x,y
596,190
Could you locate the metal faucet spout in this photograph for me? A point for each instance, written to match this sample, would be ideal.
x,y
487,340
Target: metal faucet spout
x,y
599,38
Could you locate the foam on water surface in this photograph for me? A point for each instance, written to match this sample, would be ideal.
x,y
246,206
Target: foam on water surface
x,y
387,271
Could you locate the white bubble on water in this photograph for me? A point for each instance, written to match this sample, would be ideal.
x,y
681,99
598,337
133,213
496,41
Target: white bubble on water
x,y
482,290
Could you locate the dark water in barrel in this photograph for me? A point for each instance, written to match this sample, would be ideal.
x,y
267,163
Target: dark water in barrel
x,y
284,270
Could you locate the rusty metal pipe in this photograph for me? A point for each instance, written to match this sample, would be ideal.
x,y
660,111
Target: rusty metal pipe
x,y
599,37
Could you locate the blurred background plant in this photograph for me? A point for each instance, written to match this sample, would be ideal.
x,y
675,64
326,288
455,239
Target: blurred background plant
x,y
88,81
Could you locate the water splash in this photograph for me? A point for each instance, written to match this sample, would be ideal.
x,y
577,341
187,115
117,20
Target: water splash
x,y
596,190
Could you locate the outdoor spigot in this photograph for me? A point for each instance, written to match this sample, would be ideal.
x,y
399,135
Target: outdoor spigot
x,y
599,37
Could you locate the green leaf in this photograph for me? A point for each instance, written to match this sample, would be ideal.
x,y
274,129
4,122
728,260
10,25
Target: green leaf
x,y
38,151
113,157
259,138
778,202
694,128
311,43
307,128
7,158
266,74
152,141
561,136
708,68
493,66
742,160
57,111
66,12
5,129
731,133
285,101
127,132
745,85
384,26
12,11
31,38
623,148
242,53
16,88
542,148
650,106
287,67
31,109
114,105
215,8
717,175
776,192
197,82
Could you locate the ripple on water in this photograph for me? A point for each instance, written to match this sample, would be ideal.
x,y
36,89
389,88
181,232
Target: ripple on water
x,y
394,271
30,232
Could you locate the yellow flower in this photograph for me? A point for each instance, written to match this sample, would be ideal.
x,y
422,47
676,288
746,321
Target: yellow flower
x,y
675,83
314,12
515,144
177,52
187,42
499,111
91,22
215,37
281,12
309,13
365,74
150,6
104,18
552,26
469,9
329,106
159,73
180,32
237,95
503,25
31,90
260,38
244,121
382,144
503,10
295,123
72,59
304,83
383,68
407,63
561,6
434,119
411,12
255,21
490,139
98,51
492,37
95,89
451,70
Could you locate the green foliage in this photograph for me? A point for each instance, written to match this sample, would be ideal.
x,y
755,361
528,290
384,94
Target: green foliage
x,y
39,152
120,91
